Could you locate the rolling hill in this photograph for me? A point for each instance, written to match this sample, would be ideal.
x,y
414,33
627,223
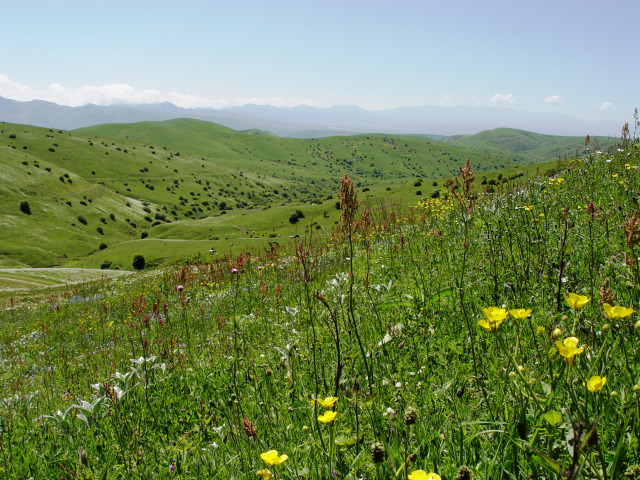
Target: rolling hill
x,y
172,189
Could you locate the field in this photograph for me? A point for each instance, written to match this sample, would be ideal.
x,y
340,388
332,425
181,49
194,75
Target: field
x,y
488,333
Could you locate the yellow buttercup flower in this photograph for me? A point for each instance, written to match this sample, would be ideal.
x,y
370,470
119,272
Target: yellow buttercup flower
x,y
327,417
495,316
576,301
520,313
328,402
264,473
617,312
272,458
569,348
596,383
422,475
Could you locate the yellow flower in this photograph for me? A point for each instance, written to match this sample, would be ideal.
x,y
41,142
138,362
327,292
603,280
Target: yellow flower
x,y
327,417
422,475
596,383
520,313
576,301
264,473
617,312
272,458
569,347
495,316
328,402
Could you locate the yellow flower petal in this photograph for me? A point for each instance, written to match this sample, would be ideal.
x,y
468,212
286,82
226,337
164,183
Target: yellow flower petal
x,y
568,348
328,402
576,301
327,417
520,313
422,475
596,383
272,458
264,473
495,314
617,312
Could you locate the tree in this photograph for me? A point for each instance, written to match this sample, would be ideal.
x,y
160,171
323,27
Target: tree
x,y
138,262
293,218
25,207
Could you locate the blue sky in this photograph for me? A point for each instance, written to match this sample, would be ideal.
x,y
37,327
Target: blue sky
x,y
578,58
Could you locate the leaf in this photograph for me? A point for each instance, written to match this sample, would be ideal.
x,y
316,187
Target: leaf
x,y
553,417
555,466
445,292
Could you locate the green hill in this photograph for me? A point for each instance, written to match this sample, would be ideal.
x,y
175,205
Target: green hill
x,y
98,195
526,145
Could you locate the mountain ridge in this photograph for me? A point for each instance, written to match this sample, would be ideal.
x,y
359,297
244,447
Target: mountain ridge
x,y
306,121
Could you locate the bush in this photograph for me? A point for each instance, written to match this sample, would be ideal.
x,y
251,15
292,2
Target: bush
x,y
138,262
100,230
82,220
144,234
25,207
293,218
106,264
102,246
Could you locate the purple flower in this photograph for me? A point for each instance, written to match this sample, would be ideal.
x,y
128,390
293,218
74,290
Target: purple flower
x,y
172,468
234,270
180,288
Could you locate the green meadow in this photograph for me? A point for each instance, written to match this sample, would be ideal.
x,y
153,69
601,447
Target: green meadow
x,y
97,196
488,330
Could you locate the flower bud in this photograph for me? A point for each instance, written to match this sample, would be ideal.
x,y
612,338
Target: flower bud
x,y
377,452
410,416
557,332
606,327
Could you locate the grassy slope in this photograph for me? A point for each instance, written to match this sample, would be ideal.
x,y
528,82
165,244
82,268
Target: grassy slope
x,y
522,144
183,171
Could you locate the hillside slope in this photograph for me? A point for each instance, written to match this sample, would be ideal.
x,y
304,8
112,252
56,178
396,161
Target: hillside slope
x,y
97,187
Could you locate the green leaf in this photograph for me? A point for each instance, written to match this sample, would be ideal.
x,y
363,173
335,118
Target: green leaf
x,y
553,417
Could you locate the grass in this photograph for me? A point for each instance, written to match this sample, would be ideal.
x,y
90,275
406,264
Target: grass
x,y
408,317
184,175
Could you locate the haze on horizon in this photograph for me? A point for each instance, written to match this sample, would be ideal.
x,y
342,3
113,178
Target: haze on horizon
x,y
576,58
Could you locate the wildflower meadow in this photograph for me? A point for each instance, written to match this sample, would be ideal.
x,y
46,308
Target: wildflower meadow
x,y
476,335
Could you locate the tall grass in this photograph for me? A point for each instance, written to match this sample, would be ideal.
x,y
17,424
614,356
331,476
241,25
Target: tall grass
x,y
410,318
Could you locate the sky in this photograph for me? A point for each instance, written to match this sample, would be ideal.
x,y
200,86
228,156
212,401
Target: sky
x,y
574,57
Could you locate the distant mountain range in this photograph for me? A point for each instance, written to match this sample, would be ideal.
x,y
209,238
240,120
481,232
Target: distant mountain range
x,y
307,121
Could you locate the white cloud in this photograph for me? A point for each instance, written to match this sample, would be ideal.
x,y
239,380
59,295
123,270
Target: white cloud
x,y
126,94
606,106
554,100
503,100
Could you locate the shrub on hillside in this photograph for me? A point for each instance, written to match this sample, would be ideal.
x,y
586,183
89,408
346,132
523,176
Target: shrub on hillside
x,y
82,220
138,262
25,207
